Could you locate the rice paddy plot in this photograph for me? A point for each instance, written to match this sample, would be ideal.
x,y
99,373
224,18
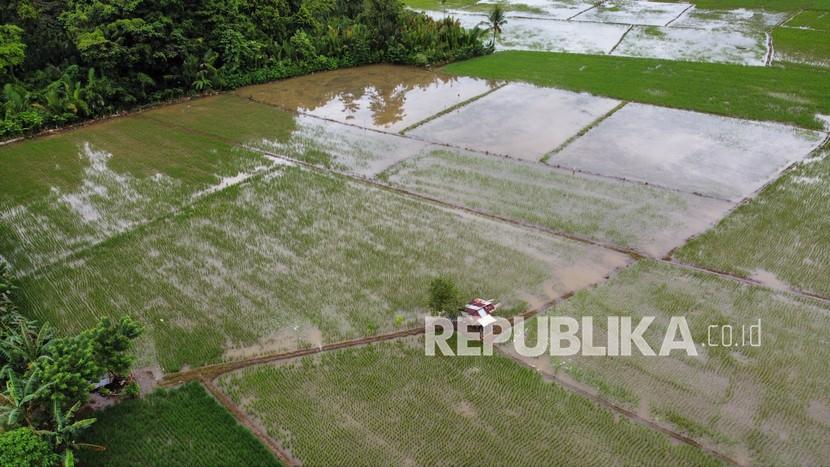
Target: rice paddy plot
x,y
545,35
646,218
227,117
178,427
519,120
716,156
700,45
343,147
634,12
741,19
389,404
780,237
761,405
60,194
295,258
383,97
804,39
559,36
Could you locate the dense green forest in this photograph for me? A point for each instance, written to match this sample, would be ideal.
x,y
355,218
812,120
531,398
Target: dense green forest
x,y
66,60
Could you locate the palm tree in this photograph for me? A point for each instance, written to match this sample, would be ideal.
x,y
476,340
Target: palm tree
x,y
495,21
15,402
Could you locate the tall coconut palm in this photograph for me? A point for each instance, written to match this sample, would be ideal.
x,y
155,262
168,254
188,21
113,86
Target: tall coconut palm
x,y
495,21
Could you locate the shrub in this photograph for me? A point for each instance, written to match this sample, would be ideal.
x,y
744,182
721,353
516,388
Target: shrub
x,y
23,448
443,295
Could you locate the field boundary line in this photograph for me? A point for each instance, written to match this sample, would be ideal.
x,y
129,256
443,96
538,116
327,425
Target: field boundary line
x,y
670,257
630,415
611,51
745,280
243,418
582,132
634,253
214,370
788,19
595,5
679,16
451,109
770,55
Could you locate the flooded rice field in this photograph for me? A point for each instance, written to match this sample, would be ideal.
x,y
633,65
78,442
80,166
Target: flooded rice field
x,y
236,269
698,45
180,208
383,97
730,20
634,12
641,217
519,120
343,147
692,152
671,31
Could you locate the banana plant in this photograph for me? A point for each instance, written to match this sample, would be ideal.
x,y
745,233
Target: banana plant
x,y
17,401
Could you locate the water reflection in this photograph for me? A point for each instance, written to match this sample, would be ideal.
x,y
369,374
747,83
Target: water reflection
x,y
383,97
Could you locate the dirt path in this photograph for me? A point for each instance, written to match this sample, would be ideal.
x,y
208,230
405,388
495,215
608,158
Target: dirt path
x,y
249,423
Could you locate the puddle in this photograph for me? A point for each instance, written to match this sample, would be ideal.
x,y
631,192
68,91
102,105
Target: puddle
x,y
769,279
519,120
384,97
634,12
819,411
721,157
694,45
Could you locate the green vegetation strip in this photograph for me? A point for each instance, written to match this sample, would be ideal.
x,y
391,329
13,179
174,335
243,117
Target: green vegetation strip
x,y
389,404
764,405
178,427
789,94
781,235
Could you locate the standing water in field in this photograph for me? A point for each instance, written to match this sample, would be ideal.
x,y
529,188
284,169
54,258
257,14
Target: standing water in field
x,y
382,97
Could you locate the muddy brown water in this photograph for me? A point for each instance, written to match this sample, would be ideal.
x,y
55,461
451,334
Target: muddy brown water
x,y
385,97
